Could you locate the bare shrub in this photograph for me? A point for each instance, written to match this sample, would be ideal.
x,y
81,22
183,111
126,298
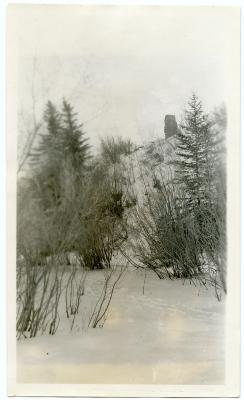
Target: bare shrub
x,y
166,240
171,242
74,290
43,237
113,148
99,313
39,290
101,217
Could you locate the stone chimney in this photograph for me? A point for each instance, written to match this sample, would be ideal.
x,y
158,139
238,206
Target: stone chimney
x,y
170,126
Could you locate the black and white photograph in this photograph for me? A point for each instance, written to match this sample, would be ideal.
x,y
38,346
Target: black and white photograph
x,y
123,203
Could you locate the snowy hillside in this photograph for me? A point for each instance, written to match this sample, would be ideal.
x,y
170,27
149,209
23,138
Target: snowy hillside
x,y
146,164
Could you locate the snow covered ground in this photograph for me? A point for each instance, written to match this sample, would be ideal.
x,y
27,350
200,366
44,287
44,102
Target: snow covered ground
x,y
162,332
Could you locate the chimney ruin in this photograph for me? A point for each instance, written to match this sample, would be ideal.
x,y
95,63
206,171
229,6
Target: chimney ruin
x,y
170,126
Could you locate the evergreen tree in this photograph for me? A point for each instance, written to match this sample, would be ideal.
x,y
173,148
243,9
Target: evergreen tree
x,y
49,149
75,146
200,173
59,158
195,154
46,160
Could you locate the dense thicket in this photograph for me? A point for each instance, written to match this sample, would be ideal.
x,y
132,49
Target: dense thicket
x,y
81,200
182,225
68,204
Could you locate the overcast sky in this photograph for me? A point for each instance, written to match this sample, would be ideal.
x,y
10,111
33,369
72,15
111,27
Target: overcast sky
x,y
124,68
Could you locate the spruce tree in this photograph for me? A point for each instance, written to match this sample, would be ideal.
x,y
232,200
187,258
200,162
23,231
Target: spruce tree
x,y
194,164
58,161
75,146
46,159
49,148
199,171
